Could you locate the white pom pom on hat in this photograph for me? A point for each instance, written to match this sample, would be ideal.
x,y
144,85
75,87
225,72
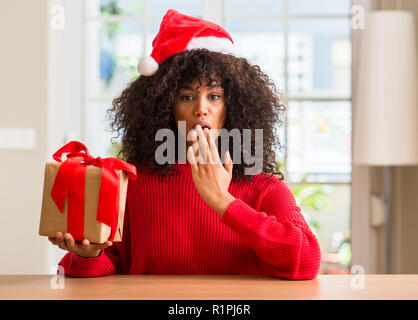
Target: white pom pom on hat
x,y
178,33
147,66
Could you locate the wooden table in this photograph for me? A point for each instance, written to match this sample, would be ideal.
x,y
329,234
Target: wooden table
x,y
213,287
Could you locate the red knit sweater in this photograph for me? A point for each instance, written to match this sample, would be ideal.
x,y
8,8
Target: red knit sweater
x,y
169,229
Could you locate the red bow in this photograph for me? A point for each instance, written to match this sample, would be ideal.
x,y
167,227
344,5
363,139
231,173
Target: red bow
x,y
70,180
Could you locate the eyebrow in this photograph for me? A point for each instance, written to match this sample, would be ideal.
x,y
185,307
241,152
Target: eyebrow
x,y
215,85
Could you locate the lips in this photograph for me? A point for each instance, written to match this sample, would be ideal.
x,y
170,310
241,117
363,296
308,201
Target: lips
x,y
202,124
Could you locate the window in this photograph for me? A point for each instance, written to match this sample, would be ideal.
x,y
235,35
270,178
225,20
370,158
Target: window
x,y
303,45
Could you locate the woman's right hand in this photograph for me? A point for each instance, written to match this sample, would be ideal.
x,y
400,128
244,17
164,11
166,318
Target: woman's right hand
x,y
83,249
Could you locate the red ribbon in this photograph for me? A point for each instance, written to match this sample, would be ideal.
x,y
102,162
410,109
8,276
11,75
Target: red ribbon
x,y
70,180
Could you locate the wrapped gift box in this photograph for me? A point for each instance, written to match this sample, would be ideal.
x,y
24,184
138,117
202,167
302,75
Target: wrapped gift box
x,y
55,220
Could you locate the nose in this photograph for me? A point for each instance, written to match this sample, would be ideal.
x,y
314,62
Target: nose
x,y
201,107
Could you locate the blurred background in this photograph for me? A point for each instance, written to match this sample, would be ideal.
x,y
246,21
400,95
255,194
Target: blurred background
x,y
63,62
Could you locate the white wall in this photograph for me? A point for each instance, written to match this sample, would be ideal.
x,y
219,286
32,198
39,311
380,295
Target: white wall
x,y
23,94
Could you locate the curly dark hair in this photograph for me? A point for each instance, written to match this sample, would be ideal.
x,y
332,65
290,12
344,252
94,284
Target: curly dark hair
x,y
146,105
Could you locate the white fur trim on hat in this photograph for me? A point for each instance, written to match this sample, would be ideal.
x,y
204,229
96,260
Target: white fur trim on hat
x,y
222,45
147,66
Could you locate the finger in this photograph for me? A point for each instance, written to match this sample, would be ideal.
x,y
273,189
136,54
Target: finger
x,y
192,159
85,244
192,136
100,246
105,245
88,246
70,242
212,147
228,162
196,150
52,240
60,241
203,146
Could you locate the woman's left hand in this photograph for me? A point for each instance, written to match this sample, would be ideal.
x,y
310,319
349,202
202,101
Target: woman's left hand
x,y
210,177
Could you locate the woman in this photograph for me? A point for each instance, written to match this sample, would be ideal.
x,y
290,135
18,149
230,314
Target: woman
x,y
200,216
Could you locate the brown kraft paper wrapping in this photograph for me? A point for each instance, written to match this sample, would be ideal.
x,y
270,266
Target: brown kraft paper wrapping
x,y
53,221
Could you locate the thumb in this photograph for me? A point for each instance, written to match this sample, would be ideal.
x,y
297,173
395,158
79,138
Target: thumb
x,y
228,162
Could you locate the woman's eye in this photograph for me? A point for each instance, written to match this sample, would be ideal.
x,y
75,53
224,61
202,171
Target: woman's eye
x,y
190,98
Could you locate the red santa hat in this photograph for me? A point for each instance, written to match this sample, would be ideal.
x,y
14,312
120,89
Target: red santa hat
x,y
178,33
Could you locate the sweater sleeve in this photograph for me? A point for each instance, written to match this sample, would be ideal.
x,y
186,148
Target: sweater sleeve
x,y
278,234
114,259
